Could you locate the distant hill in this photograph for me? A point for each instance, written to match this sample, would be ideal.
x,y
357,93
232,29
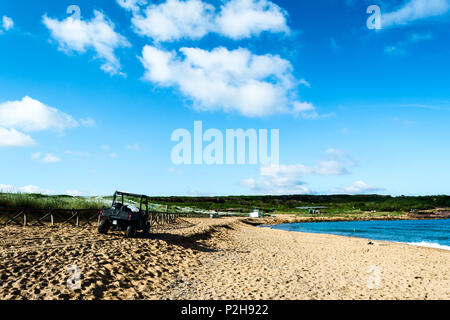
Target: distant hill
x,y
289,203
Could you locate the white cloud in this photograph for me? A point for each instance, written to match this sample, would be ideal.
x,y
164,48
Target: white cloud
x,y
14,138
35,190
135,147
288,179
252,184
47,158
131,5
331,167
97,34
358,187
305,110
305,83
399,48
36,156
195,193
418,37
113,155
193,19
87,122
415,10
336,162
240,19
237,80
32,115
5,188
283,179
76,193
279,179
249,183
174,19
7,23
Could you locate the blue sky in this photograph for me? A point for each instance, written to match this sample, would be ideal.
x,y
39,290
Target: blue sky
x,y
88,105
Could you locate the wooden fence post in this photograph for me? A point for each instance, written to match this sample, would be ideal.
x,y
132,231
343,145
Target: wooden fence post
x,y
30,218
166,214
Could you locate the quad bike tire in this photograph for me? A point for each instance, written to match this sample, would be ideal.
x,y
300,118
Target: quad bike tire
x,y
130,232
147,228
103,227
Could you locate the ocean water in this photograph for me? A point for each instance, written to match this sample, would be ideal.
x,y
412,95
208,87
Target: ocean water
x,y
426,233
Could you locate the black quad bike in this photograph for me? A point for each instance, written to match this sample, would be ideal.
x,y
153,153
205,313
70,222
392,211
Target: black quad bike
x,y
124,217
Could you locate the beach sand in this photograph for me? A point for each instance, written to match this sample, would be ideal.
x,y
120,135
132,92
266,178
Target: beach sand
x,y
226,258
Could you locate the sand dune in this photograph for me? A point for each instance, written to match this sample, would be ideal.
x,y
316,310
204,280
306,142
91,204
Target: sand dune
x,y
215,259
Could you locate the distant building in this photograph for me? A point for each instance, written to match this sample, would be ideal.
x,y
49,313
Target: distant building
x,y
256,213
312,210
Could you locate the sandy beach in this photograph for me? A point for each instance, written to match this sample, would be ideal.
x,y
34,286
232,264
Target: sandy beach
x,y
226,258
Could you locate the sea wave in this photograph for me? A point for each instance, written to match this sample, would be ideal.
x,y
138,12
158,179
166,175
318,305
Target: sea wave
x,y
429,245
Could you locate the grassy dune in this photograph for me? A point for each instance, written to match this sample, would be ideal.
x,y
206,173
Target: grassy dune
x,y
38,201
344,206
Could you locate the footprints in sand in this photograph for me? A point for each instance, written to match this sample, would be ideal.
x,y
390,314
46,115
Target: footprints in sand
x,y
111,267
204,260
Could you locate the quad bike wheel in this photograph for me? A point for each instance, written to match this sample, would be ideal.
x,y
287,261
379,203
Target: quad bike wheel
x,y
147,228
103,227
131,232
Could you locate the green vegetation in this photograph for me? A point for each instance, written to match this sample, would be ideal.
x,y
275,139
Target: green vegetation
x,y
337,205
38,201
